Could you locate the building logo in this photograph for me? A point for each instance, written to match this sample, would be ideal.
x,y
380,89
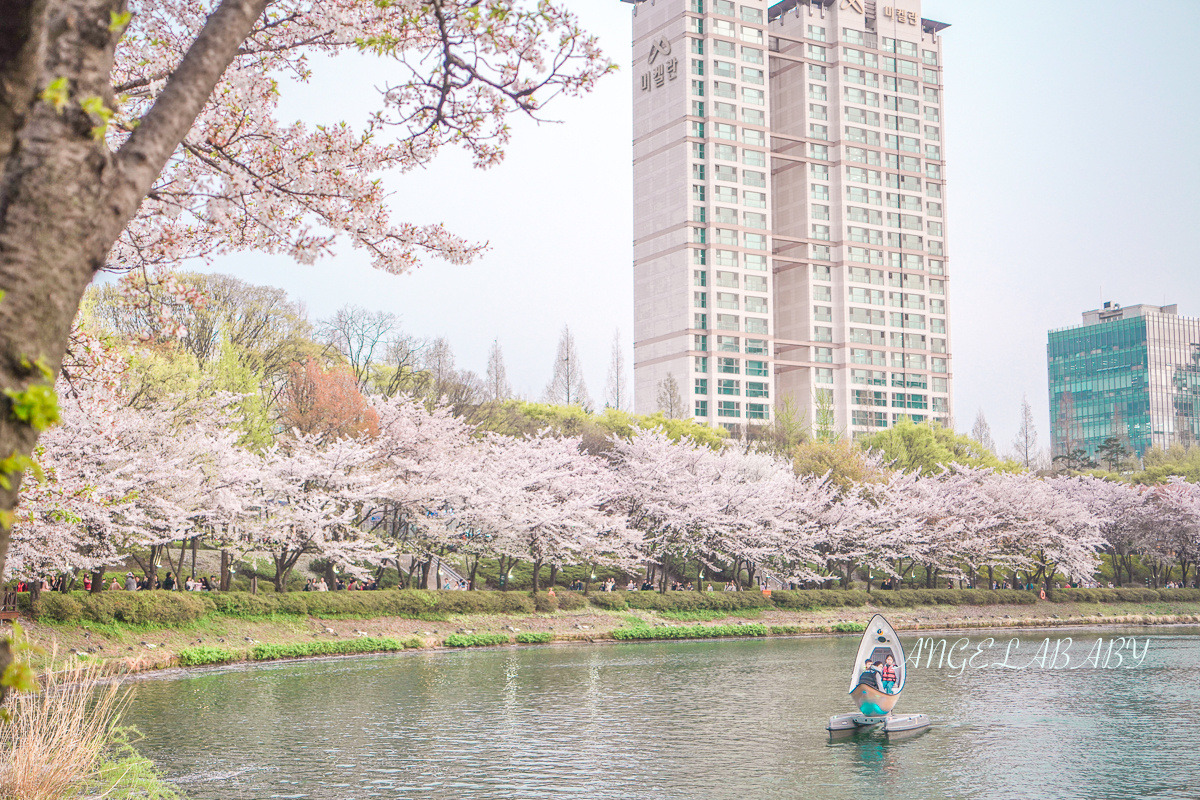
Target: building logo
x,y
900,15
667,68
857,5
660,48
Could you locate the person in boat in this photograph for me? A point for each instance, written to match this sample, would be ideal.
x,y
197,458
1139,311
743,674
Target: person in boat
x,y
869,676
887,674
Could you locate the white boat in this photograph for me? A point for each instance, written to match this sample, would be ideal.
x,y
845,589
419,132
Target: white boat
x,y
874,704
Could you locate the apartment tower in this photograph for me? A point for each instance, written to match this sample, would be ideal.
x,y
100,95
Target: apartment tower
x,y
789,212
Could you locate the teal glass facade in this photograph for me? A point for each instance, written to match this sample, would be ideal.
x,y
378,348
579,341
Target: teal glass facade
x,y
1136,379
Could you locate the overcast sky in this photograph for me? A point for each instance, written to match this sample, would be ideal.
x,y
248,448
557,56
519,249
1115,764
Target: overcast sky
x,y
1073,177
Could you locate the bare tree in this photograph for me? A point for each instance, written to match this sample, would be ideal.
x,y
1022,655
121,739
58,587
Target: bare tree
x,y
1026,443
982,433
496,386
359,334
567,386
670,399
616,394
438,361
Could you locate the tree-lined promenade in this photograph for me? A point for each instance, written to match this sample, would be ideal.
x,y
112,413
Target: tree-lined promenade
x,y
414,486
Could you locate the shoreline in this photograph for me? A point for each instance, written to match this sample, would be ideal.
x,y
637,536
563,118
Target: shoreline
x,y
137,650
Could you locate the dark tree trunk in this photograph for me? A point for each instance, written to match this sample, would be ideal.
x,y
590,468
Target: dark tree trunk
x,y
474,568
537,568
553,575
97,581
64,196
223,582
330,576
195,540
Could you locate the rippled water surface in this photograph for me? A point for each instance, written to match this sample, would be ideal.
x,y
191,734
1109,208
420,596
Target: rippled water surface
x,y
711,720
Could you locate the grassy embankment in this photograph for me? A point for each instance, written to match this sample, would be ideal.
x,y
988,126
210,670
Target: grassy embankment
x,y
154,630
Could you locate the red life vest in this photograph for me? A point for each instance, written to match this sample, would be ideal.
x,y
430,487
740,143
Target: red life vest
x,y
888,672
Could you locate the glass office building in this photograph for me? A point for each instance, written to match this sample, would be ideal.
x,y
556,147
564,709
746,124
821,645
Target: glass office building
x,y
1130,374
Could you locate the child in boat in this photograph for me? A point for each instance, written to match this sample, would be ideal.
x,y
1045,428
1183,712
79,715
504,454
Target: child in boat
x,y
869,676
887,672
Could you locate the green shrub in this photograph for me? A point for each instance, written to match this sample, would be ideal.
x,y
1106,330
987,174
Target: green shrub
x,y
695,601
1122,595
244,604
476,639
199,656
689,631
1137,595
571,601
535,637
544,603
1179,595
849,627
155,608
58,607
365,644
785,630
904,598
609,601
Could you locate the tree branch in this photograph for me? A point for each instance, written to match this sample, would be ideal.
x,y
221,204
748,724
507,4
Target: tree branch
x,y
144,155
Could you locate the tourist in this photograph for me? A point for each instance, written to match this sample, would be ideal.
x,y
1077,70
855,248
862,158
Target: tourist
x,y
868,676
131,584
610,585
631,586
87,583
550,591
116,586
888,674
647,585
308,585
709,589
169,582
322,586
208,584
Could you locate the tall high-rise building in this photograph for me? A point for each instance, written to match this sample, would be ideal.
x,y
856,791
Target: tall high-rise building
x,y
789,202
1126,379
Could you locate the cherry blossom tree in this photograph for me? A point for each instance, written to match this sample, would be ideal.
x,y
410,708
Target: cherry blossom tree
x,y
546,501
134,135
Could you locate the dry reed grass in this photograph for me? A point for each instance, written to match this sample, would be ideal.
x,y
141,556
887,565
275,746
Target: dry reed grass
x,y
53,746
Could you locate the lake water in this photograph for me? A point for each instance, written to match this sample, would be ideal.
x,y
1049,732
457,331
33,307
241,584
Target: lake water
x,y
681,720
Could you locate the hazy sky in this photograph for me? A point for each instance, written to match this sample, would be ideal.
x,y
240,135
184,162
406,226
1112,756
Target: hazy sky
x,y
1073,176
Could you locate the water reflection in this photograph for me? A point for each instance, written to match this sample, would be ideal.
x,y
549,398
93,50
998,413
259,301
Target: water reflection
x,y
708,720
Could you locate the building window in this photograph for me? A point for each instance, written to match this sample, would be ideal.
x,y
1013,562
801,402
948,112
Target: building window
x,y
756,347
729,408
757,389
729,386
700,364
756,411
727,344
701,408
701,386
